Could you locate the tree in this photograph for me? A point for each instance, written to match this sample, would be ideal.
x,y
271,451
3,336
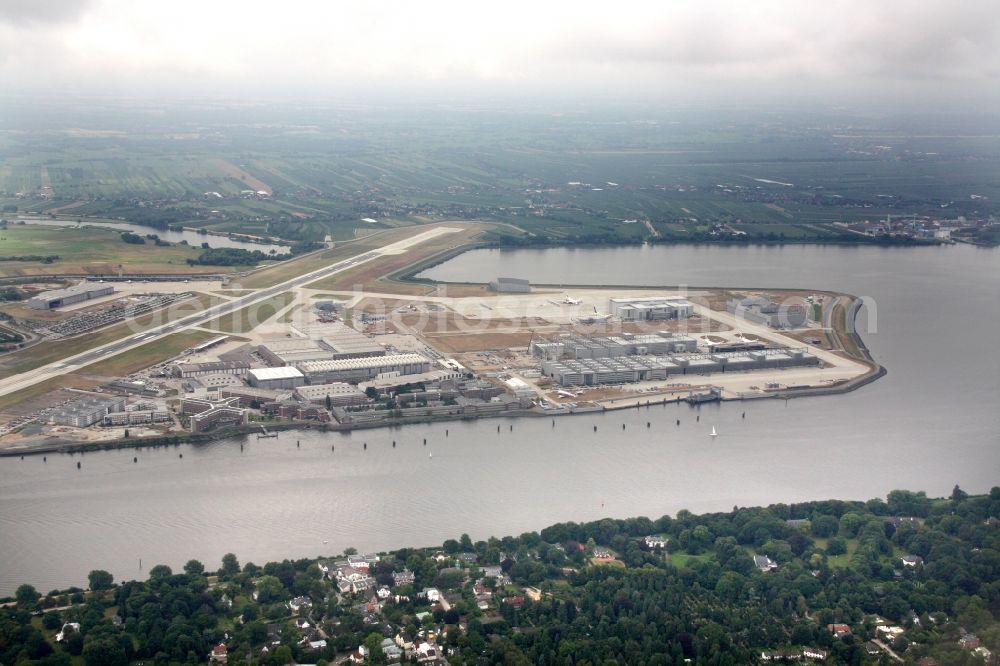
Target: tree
x,y
851,524
823,526
269,589
51,621
194,568
159,572
103,651
957,494
230,565
26,596
100,580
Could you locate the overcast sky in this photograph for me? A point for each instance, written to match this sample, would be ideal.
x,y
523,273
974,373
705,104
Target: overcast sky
x,y
908,51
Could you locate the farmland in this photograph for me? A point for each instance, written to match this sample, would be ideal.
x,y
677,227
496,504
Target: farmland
x,y
568,178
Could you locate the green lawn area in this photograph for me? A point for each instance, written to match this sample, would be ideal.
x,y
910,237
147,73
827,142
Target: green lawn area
x,y
87,250
682,560
838,561
146,355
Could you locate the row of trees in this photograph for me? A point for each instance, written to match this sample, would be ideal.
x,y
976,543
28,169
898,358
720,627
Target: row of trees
x,y
700,599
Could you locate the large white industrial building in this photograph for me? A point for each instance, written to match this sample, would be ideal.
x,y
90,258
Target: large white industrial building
x,y
47,300
625,369
360,369
275,378
339,393
338,341
651,308
762,310
292,351
510,285
575,346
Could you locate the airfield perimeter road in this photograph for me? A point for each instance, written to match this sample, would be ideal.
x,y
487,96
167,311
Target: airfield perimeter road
x,y
27,379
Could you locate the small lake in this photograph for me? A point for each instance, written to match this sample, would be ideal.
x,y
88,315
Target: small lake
x,y
192,237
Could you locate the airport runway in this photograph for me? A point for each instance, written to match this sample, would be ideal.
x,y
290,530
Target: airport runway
x,y
32,377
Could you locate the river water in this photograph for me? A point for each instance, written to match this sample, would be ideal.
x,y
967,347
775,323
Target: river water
x,y
930,423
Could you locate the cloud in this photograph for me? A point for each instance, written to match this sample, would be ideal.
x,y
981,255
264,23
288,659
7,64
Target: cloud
x,y
766,48
32,12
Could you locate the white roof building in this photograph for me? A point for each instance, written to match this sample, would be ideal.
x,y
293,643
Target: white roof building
x,y
272,378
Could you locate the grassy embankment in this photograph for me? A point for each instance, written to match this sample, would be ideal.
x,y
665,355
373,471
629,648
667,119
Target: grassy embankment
x,y
251,316
382,274
272,275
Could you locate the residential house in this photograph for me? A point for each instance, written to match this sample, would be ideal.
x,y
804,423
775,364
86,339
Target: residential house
x,y
426,652
969,641
361,562
74,627
383,592
655,541
317,644
602,553
404,577
890,631
491,571
298,603
302,624
514,602
788,654
839,630
764,563
814,653
220,654
392,653
468,558
911,560
432,594
872,649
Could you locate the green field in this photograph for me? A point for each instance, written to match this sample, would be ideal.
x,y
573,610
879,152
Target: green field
x,y
563,177
86,250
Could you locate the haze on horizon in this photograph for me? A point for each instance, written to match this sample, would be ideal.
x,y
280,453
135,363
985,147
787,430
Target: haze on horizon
x,y
895,53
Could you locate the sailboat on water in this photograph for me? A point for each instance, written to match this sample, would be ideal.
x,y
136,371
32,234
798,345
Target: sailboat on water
x,y
713,434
